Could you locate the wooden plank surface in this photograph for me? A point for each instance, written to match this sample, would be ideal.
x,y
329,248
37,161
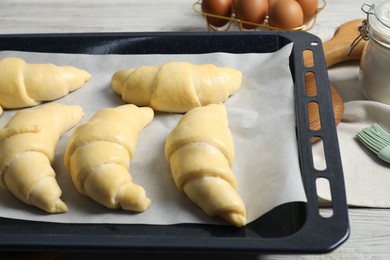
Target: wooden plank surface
x,y
370,228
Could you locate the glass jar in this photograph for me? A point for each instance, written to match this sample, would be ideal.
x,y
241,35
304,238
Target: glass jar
x,y
374,75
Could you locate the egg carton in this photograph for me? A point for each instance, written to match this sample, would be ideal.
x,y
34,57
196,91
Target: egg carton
x,y
257,26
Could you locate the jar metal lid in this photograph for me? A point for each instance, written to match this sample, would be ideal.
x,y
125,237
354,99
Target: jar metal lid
x,y
379,22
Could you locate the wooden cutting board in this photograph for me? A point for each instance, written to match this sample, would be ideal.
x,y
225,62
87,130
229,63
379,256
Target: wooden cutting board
x,y
336,51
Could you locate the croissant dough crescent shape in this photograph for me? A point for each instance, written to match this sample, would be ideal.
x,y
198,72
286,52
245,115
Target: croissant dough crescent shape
x,y
24,84
200,152
27,146
176,86
99,153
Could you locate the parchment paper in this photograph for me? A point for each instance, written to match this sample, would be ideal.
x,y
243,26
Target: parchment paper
x,y
261,117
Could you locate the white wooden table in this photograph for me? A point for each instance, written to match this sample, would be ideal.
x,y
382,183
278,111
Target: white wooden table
x,y
370,228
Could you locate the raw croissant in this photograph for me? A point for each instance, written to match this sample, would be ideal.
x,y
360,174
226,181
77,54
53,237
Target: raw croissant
x,y
200,152
25,85
176,86
99,153
27,146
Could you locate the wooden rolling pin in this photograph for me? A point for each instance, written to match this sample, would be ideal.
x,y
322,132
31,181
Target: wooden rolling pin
x,y
336,51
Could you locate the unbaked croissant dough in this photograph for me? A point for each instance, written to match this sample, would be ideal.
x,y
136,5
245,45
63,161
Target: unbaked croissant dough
x,y
200,152
99,153
24,85
27,146
176,86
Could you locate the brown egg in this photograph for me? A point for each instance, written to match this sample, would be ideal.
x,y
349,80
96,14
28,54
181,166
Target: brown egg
x,y
217,7
234,4
309,8
271,3
253,11
285,14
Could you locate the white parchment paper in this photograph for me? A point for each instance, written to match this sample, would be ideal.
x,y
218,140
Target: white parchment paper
x,y
261,117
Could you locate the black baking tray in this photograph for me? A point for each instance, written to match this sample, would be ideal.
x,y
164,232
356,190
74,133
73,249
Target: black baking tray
x,y
289,228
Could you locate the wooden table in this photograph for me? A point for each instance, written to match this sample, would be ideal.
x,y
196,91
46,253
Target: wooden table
x,y
370,228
